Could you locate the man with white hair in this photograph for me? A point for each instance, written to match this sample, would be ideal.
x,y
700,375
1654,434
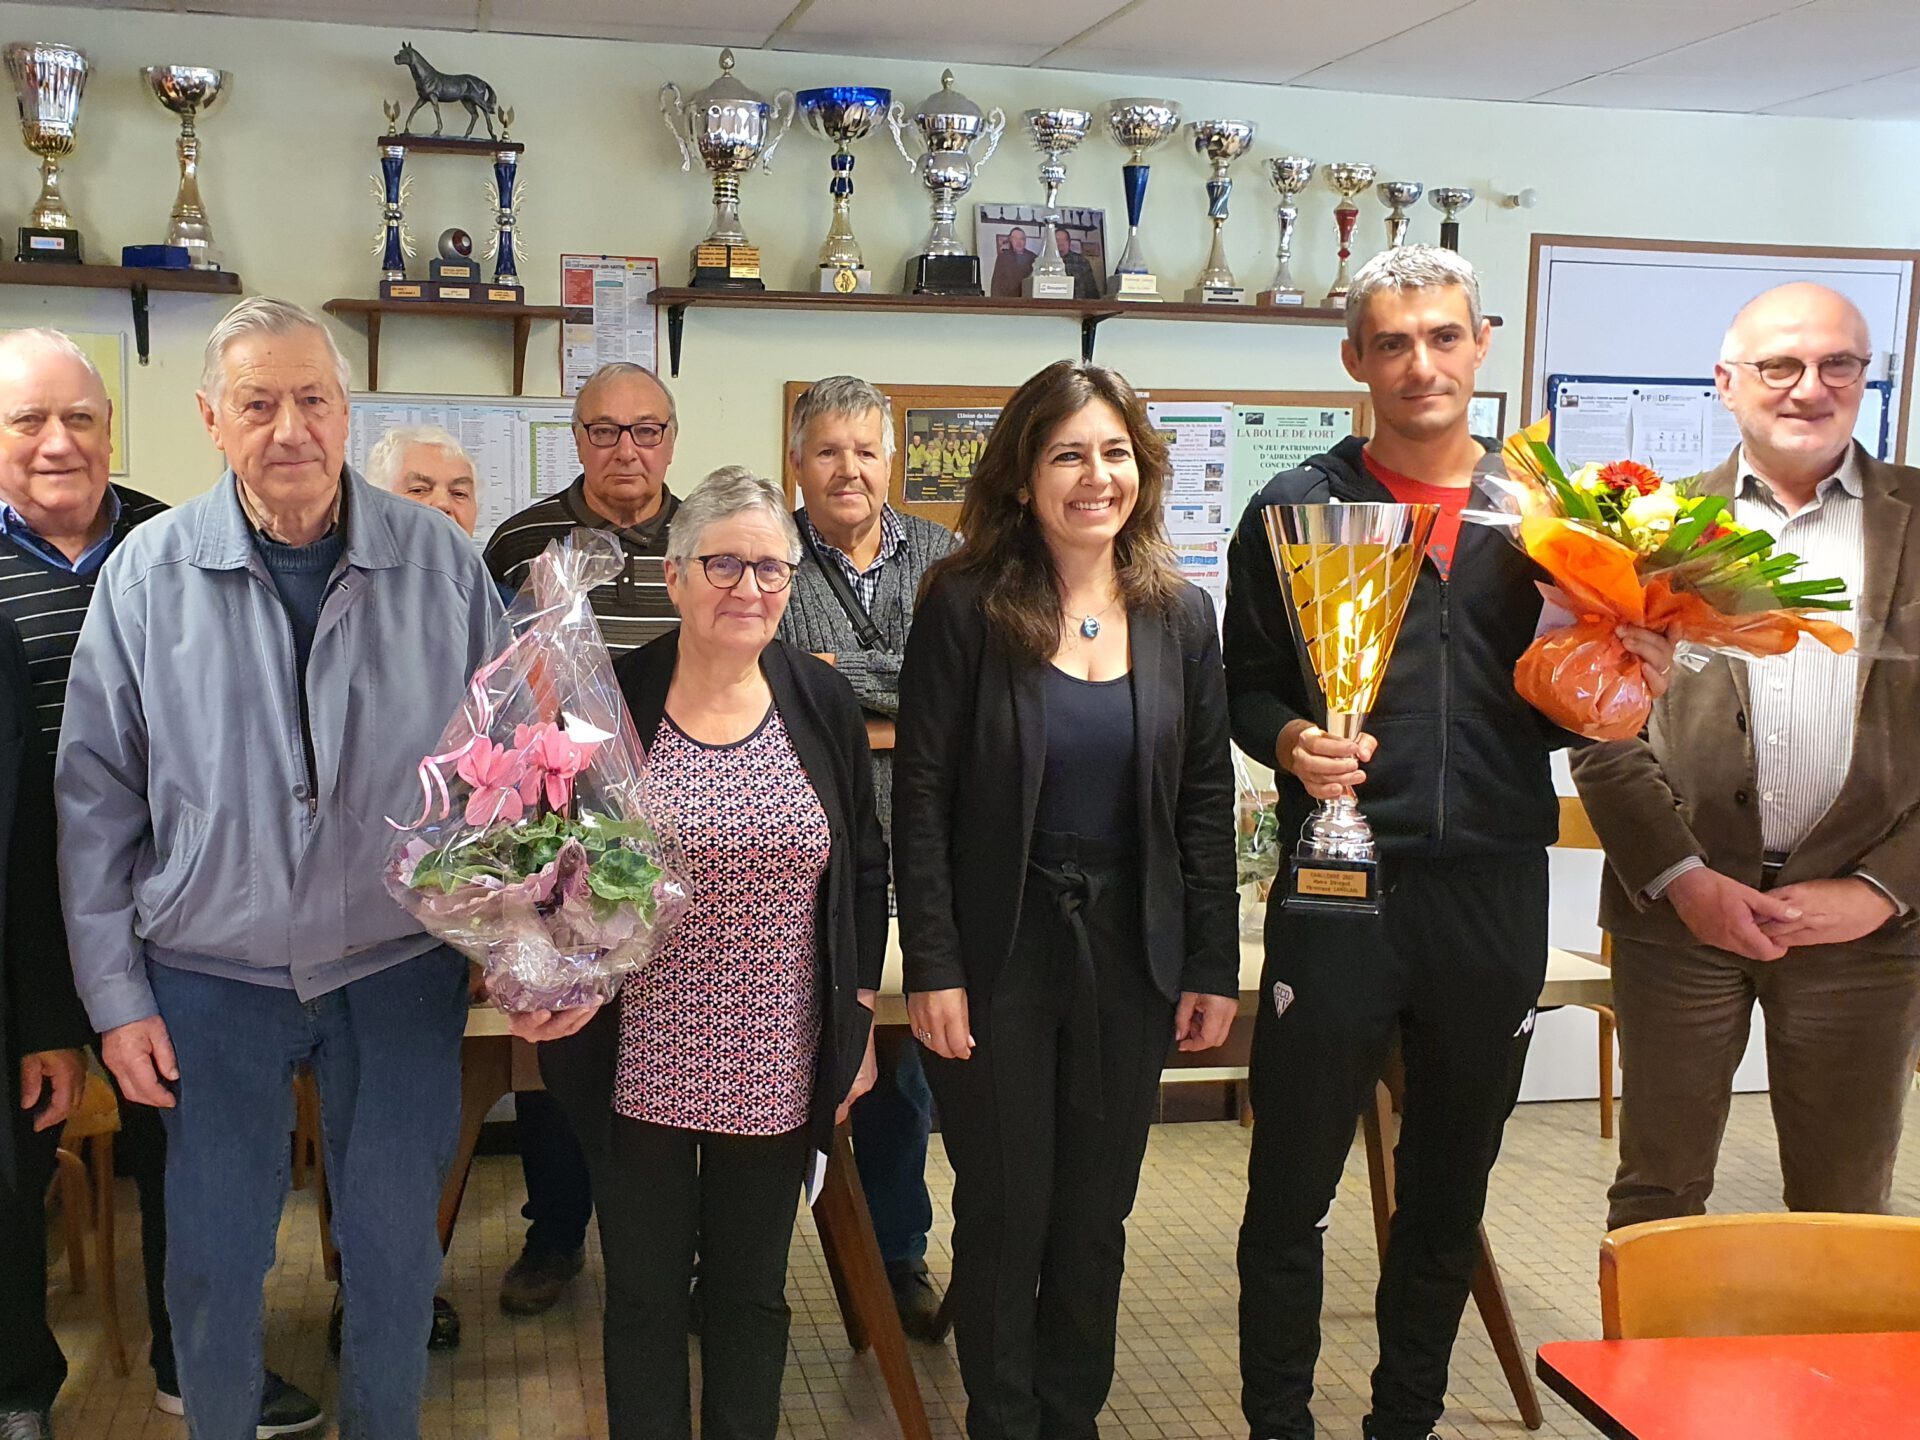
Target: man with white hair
x,y
256,681
425,463
62,518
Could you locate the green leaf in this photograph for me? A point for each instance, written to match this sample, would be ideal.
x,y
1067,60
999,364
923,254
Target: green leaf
x,y
621,874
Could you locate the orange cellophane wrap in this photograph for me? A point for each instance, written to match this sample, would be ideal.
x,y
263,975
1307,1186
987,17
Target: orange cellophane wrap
x,y
1581,677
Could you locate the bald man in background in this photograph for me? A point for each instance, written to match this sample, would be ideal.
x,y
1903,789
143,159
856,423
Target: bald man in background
x,y
1763,836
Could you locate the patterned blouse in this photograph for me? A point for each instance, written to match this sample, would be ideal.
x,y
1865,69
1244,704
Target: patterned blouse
x,y
722,1030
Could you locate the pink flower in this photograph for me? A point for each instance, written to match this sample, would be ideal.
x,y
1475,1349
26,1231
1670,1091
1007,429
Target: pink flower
x,y
553,759
502,783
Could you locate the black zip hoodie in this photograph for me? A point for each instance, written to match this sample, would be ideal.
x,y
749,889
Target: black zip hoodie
x,y
1462,766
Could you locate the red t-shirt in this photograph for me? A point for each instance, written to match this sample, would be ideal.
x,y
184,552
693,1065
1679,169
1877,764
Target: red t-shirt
x,y
1452,499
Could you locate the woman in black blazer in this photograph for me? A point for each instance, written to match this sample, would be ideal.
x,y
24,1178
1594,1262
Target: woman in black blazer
x,y
1064,869
703,1092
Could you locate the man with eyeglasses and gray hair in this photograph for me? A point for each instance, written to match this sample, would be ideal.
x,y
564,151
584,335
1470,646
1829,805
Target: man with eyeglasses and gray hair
x,y
1763,836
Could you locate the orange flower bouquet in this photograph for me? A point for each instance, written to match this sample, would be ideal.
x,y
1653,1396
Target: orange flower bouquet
x,y
1626,547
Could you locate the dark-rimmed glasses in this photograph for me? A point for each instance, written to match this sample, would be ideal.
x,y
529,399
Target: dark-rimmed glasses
x,y
724,572
604,434
1783,372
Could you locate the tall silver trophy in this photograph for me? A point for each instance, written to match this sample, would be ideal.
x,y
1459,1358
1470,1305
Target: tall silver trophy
x,y
949,125
48,81
1450,200
1220,143
731,129
1290,175
1349,179
1397,195
1137,124
189,91
1055,133
843,114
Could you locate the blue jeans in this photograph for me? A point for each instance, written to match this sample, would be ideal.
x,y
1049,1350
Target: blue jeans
x,y
385,1050
891,1123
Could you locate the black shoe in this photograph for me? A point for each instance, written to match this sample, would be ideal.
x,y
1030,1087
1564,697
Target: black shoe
x,y
26,1425
537,1279
286,1410
918,1302
445,1334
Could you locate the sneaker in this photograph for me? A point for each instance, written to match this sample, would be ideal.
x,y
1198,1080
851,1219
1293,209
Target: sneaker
x,y
537,1279
918,1302
26,1425
284,1409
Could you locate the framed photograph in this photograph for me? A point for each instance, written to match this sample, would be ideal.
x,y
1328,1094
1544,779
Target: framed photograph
x,y
1487,414
938,434
1008,238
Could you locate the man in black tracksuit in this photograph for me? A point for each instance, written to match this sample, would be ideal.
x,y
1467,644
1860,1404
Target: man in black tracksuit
x,y
1457,788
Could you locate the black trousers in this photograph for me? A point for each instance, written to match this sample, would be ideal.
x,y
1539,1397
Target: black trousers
x,y
559,1191
659,1192
140,1150
1042,1185
32,1368
1455,962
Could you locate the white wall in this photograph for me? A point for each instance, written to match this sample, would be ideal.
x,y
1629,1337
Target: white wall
x,y
287,161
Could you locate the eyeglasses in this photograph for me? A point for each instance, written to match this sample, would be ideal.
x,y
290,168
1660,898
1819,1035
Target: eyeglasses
x,y
725,572
604,434
1783,372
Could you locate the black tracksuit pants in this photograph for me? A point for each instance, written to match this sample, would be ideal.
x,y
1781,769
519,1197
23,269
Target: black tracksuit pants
x,y
31,1365
1455,961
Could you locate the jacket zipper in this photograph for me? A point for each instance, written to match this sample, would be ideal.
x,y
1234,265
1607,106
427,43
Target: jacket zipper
x,y
305,730
1446,719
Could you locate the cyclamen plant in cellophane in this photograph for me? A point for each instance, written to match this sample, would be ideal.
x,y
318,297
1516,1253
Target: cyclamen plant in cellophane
x,y
533,853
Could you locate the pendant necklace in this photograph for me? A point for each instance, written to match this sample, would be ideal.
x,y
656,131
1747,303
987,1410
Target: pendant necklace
x,y
1090,624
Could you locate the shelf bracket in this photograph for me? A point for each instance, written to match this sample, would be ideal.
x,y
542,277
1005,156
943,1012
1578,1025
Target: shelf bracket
x,y
138,293
676,325
1089,326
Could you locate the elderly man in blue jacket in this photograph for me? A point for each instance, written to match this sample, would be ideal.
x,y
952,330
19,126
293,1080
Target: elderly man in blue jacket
x,y
259,674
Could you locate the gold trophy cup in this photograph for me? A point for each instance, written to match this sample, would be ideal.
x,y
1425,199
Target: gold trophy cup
x,y
1347,573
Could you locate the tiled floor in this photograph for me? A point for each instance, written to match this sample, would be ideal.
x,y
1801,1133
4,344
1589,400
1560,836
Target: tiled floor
x,y
521,1379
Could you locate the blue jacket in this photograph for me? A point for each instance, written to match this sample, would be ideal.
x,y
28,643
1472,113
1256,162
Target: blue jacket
x,y
189,833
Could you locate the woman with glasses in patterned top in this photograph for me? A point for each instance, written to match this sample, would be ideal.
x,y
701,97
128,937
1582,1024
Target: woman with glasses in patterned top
x,y
704,1089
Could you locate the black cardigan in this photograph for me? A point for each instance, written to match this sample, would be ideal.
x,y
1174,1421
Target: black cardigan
x,y
39,1009
967,774
829,733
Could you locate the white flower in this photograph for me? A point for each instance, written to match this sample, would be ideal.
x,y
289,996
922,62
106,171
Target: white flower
x,y
1652,512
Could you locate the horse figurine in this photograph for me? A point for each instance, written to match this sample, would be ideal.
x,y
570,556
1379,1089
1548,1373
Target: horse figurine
x,y
433,89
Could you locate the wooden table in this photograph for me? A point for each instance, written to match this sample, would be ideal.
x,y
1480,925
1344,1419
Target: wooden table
x,y
1743,1387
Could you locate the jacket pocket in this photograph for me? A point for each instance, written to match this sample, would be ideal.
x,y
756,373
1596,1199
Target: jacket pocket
x,y
159,894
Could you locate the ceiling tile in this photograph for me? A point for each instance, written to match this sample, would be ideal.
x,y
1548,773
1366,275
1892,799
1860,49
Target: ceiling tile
x,y
1890,97
984,32
712,22
441,14
1802,52
1737,94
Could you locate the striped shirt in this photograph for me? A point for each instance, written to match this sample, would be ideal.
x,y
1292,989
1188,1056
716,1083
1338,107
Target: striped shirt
x,y
632,609
48,601
865,583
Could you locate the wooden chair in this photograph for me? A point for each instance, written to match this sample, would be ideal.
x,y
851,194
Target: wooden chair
x,y
1577,833
86,1194
1799,1274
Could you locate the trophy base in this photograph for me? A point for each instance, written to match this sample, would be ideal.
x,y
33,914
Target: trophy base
x,y
1336,300
500,294
1317,886
944,275
404,290
1216,295
845,280
727,267
1139,285
1048,287
1272,298
455,272
155,257
59,246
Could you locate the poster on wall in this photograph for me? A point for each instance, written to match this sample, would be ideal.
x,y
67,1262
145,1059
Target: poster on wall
x,y
108,352
608,317
1271,438
942,448
1198,504
521,449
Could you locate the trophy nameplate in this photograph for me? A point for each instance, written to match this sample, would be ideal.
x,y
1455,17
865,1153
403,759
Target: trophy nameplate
x,y
458,272
1048,287
402,290
727,267
842,280
1216,295
504,294
1134,285
61,246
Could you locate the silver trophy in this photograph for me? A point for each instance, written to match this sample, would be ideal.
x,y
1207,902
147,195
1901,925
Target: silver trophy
x,y
1348,179
843,114
1137,125
48,81
1290,175
1397,195
731,129
1450,200
1055,133
1220,142
189,91
948,124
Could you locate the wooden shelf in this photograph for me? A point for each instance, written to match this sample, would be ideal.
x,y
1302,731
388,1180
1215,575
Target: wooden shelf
x,y
374,311
1090,313
136,282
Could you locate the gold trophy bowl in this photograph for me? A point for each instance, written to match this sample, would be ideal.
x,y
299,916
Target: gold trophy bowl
x,y
1346,575
189,91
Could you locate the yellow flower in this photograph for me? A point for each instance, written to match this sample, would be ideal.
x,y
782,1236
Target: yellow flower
x,y
1655,512
1587,480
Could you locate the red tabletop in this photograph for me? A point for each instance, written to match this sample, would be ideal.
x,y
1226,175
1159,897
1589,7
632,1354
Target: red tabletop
x,y
1745,1387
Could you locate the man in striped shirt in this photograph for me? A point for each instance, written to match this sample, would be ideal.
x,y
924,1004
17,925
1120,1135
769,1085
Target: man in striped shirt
x,y
624,428
61,519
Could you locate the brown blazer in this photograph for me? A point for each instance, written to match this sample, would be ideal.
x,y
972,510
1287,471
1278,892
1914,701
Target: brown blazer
x,y
1687,788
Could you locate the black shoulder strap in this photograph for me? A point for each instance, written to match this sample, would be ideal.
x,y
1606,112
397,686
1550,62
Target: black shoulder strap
x,y
863,627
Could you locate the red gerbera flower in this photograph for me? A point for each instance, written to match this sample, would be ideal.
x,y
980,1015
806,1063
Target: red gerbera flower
x,y
1629,475
1713,532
